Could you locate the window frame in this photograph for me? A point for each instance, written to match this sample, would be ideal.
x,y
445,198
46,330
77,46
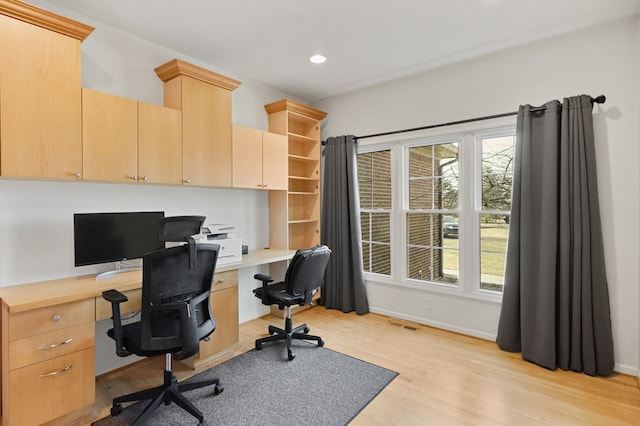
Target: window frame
x,y
469,176
366,150
406,210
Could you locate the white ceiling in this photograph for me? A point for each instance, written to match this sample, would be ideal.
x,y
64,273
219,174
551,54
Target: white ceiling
x,y
366,41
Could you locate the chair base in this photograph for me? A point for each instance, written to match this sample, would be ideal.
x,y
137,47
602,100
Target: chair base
x,y
288,333
170,391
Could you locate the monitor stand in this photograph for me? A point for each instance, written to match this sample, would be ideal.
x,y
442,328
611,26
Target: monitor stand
x,y
120,266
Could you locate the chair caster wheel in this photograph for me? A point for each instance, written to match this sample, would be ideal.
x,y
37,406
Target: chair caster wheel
x,y
321,343
116,409
217,389
258,347
291,355
305,330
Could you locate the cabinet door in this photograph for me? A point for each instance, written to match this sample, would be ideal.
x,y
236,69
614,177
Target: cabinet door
x,y
274,161
109,137
40,110
159,144
247,158
224,305
206,112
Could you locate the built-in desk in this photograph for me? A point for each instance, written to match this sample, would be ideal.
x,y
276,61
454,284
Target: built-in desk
x,y
48,336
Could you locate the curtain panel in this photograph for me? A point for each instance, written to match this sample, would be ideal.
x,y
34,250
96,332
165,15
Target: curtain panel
x,y
344,286
555,307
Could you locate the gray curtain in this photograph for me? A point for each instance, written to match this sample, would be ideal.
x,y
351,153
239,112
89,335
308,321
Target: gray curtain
x,y
344,287
555,307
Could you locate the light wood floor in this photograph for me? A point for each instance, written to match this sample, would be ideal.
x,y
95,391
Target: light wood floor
x,y
445,378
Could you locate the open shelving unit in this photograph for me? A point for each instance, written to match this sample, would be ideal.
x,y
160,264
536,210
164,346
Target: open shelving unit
x,y
300,228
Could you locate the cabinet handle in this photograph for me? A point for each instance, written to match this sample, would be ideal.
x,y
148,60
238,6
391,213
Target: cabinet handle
x,y
55,373
265,185
259,185
186,181
144,178
220,281
134,177
55,345
77,175
56,318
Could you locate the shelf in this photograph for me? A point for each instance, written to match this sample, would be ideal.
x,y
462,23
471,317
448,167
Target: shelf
x,y
302,158
304,178
302,193
299,221
301,138
297,212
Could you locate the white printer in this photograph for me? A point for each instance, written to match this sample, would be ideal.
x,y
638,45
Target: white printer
x,y
225,236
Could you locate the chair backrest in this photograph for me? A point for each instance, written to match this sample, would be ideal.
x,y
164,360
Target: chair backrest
x,y
305,273
176,310
180,228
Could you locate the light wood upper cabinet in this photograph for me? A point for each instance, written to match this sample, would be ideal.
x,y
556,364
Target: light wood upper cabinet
x,y
159,144
109,137
204,97
40,111
259,159
129,141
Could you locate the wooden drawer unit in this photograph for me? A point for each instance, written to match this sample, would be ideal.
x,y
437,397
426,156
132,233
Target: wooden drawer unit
x,y
49,319
44,391
49,362
42,347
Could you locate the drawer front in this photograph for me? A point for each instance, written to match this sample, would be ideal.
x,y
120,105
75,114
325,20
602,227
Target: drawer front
x,y
42,347
47,390
224,280
50,319
103,308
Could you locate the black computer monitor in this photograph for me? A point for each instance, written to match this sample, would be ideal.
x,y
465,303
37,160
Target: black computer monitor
x,y
112,237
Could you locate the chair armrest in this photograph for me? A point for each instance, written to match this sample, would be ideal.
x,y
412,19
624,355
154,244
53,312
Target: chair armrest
x,y
266,279
116,298
263,278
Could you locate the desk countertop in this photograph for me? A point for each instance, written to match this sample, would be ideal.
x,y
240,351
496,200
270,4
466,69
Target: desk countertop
x,y
36,295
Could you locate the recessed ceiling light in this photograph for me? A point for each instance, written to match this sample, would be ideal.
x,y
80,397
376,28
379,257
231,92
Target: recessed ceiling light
x,y
317,59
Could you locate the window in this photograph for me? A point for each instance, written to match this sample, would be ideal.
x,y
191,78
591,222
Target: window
x,y
495,208
432,213
374,180
451,197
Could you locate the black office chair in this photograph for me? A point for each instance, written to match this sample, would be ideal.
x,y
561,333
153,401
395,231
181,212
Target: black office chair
x,y
303,278
176,315
180,228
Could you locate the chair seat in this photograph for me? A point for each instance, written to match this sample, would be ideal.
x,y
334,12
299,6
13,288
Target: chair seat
x,y
277,294
132,342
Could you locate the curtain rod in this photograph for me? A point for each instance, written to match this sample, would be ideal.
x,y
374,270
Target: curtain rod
x,y
599,100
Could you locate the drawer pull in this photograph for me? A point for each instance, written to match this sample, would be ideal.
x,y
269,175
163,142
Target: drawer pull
x,y
56,317
55,345
221,280
55,373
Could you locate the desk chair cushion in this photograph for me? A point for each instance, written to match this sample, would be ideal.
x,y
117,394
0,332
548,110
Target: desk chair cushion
x,y
278,293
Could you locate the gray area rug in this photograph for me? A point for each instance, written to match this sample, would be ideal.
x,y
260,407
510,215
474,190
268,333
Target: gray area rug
x,y
319,387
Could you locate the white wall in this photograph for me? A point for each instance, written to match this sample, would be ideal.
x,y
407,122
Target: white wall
x,y
600,60
36,217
